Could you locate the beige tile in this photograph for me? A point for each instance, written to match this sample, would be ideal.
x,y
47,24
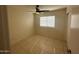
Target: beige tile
x,y
40,44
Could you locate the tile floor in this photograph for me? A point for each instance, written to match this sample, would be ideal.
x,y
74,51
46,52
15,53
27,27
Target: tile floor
x,y
39,45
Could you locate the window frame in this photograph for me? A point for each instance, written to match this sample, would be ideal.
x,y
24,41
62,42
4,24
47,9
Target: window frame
x,y
48,25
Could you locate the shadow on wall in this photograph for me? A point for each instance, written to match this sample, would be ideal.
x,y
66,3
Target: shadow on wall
x,y
57,32
74,33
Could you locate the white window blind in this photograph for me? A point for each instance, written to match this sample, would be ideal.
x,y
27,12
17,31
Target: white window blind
x,y
47,21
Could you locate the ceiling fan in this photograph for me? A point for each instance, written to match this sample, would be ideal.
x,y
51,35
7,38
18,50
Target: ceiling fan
x,y
38,10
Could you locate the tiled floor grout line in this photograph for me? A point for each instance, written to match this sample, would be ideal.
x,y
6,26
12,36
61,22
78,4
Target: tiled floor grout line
x,y
35,44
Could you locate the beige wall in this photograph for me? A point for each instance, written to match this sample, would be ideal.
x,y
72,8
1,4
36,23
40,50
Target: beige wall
x,y
59,32
73,38
20,23
4,35
1,32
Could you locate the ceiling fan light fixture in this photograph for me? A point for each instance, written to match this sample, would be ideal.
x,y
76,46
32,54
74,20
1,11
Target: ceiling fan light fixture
x,y
37,13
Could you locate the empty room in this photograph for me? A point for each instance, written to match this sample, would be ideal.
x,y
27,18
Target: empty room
x,y
39,29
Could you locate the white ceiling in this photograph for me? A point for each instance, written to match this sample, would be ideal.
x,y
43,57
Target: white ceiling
x,y
51,7
31,8
55,7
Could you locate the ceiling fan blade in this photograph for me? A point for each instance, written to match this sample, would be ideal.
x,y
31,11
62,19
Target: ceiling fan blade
x,y
44,11
38,10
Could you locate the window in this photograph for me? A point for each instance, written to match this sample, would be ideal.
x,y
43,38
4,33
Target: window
x,y
47,21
